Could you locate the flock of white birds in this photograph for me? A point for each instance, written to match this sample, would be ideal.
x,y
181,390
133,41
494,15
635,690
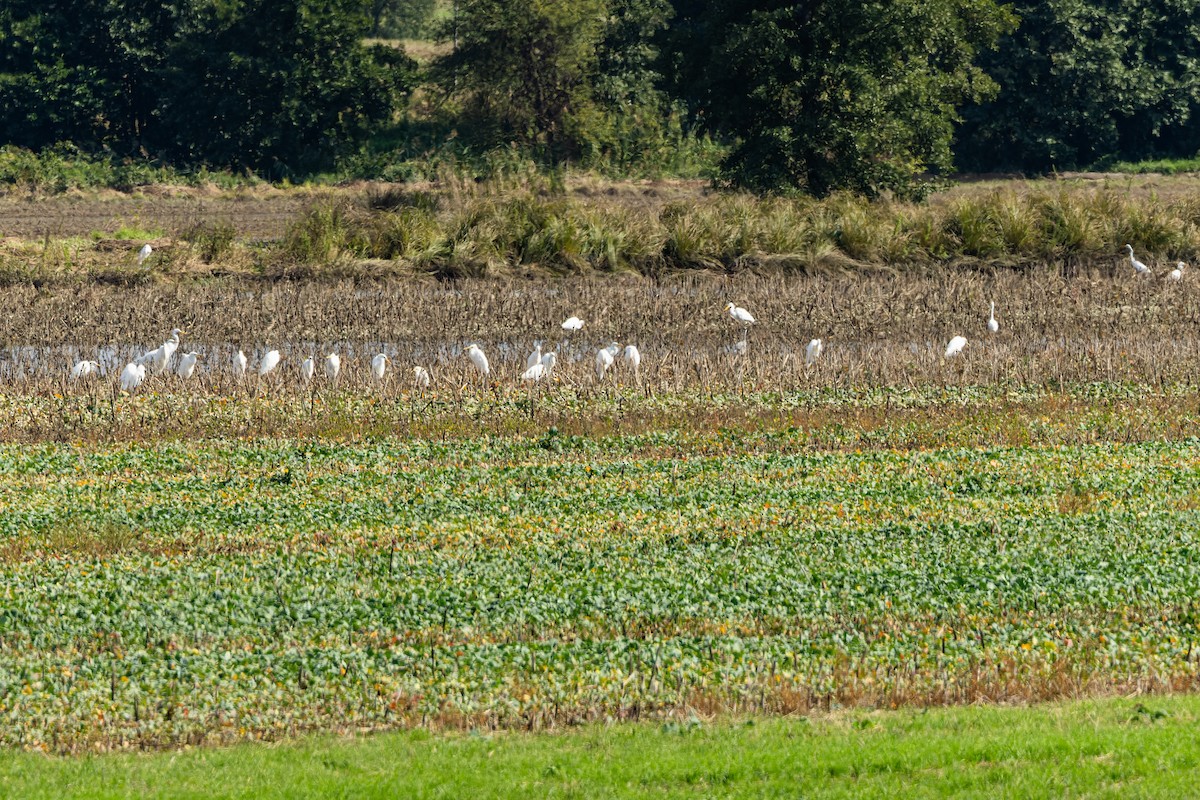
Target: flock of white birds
x,y
538,365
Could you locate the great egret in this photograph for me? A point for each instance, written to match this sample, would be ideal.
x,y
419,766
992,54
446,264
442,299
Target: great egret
x,y
1177,273
333,365
534,373
1138,267
269,362
605,357
993,325
476,354
572,324
239,364
144,253
548,362
740,314
812,351
160,357
955,346
421,377
187,365
132,376
633,356
379,367
83,369
307,367
536,356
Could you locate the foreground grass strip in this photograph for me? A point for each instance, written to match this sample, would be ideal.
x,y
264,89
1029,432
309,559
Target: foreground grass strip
x,y
1105,748
202,593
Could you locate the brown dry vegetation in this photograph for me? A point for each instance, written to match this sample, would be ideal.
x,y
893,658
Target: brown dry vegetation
x,y
1089,347
530,225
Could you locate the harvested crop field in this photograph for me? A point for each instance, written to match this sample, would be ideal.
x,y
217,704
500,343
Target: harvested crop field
x,y
732,524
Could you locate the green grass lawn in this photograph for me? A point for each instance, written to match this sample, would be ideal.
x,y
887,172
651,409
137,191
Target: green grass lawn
x,y
1102,748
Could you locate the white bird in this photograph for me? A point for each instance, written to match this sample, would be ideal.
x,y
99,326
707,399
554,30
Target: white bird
x,y
269,362
83,369
955,346
813,350
132,376
478,358
535,357
144,253
239,364
187,365
993,325
160,357
535,373
572,324
548,362
1177,273
333,365
421,377
605,357
379,367
633,356
740,314
1138,267
307,367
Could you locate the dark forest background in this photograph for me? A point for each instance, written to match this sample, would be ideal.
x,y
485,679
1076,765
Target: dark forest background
x,y
812,96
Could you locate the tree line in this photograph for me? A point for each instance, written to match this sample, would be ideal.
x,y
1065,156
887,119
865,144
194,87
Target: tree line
x,y
815,96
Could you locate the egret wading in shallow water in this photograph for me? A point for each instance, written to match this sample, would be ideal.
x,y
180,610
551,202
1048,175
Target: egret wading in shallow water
x,y
187,365
239,364
633,357
812,351
144,253
421,377
536,356
379,367
1138,267
84,369
132,376
993,325
534,373
1177,273
605,358
269,362
955,346
479,359
333,365
307,368
160,357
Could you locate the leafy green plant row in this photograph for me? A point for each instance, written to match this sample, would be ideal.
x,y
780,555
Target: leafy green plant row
x,y
224,591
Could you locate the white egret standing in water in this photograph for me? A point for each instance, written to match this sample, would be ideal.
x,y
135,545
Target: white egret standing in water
x,y
83,369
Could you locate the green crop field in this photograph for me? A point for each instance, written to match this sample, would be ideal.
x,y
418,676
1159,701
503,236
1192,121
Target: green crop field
x,y
218,592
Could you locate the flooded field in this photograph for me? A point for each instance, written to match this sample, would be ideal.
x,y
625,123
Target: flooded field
x,y
877,329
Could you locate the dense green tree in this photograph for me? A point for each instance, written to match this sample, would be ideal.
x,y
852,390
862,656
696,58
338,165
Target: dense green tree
x,y
402,19
552,75
1087,80
831,94
282,85
275,85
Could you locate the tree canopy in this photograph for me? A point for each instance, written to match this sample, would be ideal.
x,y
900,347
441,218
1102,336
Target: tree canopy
x,y
833,94
807,95
1082,81
273,85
